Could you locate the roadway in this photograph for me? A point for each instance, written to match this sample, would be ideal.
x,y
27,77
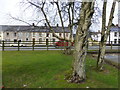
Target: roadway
x,y
53,48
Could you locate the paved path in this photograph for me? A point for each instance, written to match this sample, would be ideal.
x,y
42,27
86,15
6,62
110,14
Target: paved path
x,y
113,57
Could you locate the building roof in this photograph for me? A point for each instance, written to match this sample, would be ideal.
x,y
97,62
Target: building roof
x,y
115,29
112,29
94,33
23,28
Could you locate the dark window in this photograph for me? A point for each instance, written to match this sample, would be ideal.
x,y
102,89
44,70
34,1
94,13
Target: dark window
x,y
7,34
26,39
40,40
115,41
47,35
40,34
53,35
15,34
119,41
115,34
66,34
53,40
15,40
33,39
19,40
60,34
33,34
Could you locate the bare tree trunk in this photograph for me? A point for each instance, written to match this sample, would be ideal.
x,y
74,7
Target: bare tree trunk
x,y
102,43
104,35
71,7
80,51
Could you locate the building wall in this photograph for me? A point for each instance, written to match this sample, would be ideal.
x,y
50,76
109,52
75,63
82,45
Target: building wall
x,y
96,37
29,36
113,38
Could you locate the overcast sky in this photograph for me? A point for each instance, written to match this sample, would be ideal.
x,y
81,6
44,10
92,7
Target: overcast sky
x,y
13,7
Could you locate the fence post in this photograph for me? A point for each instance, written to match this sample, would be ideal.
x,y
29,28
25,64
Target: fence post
x,y
47,44
111,44
33,45
61,45
3,45
18,45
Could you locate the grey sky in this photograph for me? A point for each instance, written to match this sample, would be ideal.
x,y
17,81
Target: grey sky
x,y
13,7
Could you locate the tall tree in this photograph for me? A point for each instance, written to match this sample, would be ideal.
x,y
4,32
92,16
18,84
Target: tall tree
x,y
86,13
105,32
70,5
83,21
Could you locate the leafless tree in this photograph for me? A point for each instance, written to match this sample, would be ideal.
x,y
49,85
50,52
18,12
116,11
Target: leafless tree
x,y
81,16
104,33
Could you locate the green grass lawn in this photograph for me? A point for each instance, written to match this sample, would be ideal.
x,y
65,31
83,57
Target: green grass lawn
x,y
47,69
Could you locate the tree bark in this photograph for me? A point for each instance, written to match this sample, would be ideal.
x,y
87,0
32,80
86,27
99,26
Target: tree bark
x,y
80,51
68,48
104,35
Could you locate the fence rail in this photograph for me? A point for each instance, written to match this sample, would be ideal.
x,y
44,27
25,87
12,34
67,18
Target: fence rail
x,y
43,45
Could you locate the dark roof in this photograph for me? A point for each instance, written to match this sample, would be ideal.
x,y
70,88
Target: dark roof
x,y
112,29
94,33
32,29
115,29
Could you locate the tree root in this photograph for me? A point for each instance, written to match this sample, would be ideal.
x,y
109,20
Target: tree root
x,y
74,78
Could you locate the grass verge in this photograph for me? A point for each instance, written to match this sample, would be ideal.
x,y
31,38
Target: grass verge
x,y
47,69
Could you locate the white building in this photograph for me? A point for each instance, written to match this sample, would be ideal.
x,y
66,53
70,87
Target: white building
x,y
96,36
114,35
30,33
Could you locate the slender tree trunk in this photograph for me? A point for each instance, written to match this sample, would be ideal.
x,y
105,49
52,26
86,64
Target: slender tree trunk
x,y
102,43
71,18
80,51
104,35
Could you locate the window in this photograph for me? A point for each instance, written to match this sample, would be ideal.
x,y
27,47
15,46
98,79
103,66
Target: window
x,y
40,40
15,34
26,39
53,40
15,40
19,40
115,41
115,34
7,39
47,35
53,35
20,34
40,34
33,34
119,34
119,41
7,34
27,34
66,34
60,34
